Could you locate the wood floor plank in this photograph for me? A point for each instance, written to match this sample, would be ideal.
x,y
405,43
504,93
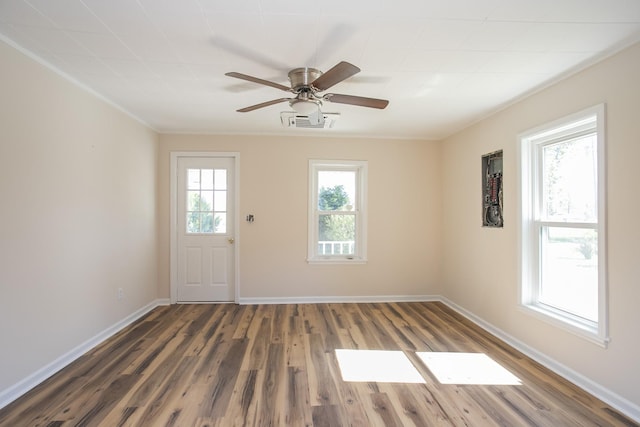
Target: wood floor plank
x,y
322,388
217,399
363,328
375,330
353,403
417,407
331,335
326,416
169,390
294,343
244,401
382,406
276,365
297,398
100,403
259,346
273,388
242,328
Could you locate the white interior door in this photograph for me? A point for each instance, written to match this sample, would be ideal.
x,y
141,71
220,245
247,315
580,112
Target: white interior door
x,y
205,229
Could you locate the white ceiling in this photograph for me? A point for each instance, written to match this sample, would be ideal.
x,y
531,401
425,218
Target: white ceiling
x,y
442,64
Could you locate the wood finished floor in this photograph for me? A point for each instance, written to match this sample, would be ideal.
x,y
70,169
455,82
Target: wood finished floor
x,y
275,365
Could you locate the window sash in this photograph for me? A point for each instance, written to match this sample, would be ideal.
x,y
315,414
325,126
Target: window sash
x,y
339,244
542,230
541,198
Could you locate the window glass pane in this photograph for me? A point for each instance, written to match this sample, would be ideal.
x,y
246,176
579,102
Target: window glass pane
x,y
570,180
207,179
193,179
220,222
220,201
220,179
336,234
206,201
336,190
569,270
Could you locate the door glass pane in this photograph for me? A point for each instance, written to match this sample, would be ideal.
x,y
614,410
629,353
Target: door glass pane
x,y
207,179
200,200
206,201
570,181
193,222
569,270
193,201
336,234
220,179
220,222
206,222
336,190
193,179
220,201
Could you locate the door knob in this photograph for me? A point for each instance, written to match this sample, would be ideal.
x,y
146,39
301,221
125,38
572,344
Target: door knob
x,y
231,240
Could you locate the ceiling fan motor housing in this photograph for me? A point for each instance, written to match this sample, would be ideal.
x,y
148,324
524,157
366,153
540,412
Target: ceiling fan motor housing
x,y
301,78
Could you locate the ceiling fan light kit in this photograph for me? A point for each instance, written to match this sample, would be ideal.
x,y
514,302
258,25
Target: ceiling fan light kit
x,y
305,106
306,83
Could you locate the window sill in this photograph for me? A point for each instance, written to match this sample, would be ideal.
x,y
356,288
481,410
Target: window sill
x,y
583,329
337,260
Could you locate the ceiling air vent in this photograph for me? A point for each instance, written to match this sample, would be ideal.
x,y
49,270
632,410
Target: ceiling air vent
x,y
294,120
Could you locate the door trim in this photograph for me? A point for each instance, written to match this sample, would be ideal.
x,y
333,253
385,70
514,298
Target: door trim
x,y
173,227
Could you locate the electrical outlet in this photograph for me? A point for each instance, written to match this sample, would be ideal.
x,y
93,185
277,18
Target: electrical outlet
x,y
120,294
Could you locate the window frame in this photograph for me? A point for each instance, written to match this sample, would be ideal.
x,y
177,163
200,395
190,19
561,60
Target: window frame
x,y
532,224
359,211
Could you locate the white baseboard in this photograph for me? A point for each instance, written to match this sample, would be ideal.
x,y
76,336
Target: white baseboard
x,y
337,299
616,401
15,391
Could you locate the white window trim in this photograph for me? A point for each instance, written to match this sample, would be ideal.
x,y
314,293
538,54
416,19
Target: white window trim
x,y
529,170
360,256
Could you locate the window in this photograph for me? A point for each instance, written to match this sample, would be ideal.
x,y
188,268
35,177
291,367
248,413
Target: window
x,y
337,211
562,224
206,201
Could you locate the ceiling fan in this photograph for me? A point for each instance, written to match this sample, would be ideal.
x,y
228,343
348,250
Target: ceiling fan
x,y
306,83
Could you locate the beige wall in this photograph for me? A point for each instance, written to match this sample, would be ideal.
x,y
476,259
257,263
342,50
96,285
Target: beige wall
x,y
78,216
404,215
480,264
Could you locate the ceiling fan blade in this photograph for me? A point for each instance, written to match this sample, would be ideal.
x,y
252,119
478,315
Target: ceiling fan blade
x,y
341,71
257,80
356,100
264,104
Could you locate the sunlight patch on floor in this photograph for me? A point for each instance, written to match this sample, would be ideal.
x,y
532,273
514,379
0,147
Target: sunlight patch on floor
x,y
377,366
467,368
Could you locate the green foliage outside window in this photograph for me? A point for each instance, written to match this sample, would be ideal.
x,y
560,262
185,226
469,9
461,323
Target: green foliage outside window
x,y
201,221
335,226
